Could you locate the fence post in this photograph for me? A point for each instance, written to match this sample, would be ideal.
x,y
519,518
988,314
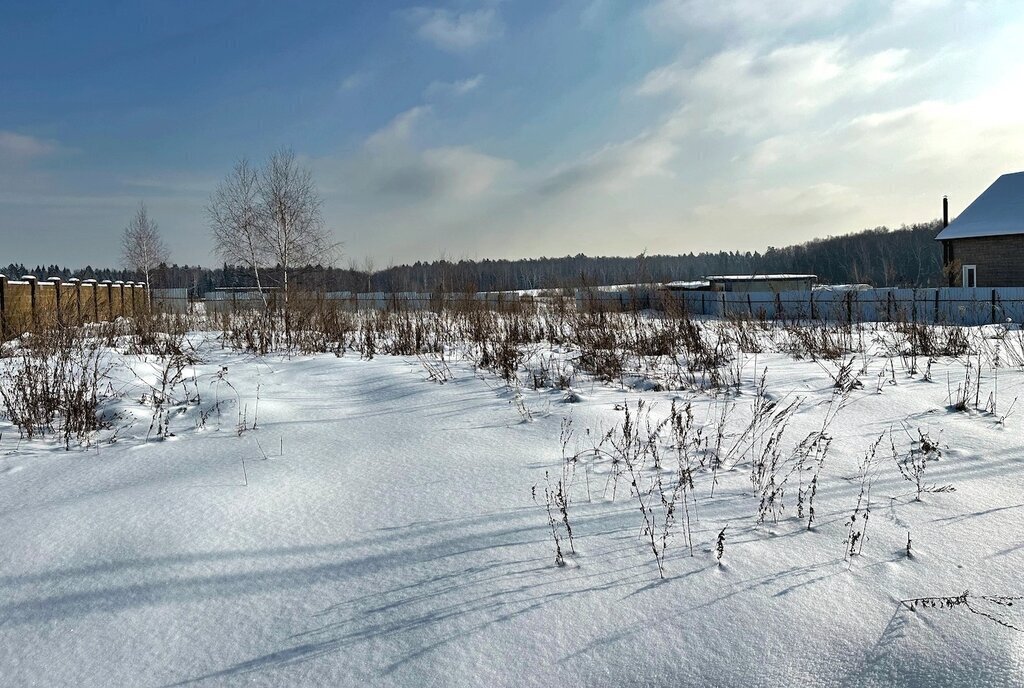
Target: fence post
x,y
95,301
3,307
56,294
778,306
77,284
993,306
849,307
814,312
110,299
32,279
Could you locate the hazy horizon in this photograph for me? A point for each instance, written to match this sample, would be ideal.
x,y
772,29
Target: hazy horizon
x,y
498,129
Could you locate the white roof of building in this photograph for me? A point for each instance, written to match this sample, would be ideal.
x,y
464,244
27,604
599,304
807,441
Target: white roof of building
x,y
997,212
842,287
757,278
695,284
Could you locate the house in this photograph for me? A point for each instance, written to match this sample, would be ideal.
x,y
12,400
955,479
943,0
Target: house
x,y
774,283
984,246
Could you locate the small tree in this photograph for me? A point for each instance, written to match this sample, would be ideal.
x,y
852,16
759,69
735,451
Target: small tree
x,y
270,216
234,215
291,221
142,247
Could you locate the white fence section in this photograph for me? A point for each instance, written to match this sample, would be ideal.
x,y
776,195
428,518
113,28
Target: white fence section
x,y
953,306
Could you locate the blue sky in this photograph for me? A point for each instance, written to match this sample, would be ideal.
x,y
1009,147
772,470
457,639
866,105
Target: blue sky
x,y
506,128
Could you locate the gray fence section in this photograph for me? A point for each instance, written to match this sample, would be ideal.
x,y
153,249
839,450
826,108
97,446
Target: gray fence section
x,y
954,306
624,298
170,300
229,301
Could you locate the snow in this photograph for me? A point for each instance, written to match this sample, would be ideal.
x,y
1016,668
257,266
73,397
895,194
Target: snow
x,y
692,284
842,287
757,278
377,528
619,287
996,212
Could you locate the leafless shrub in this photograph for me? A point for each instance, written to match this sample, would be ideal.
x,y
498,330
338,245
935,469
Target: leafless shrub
x,y
171,390
912,465
998,606
556,505
53,383
857,525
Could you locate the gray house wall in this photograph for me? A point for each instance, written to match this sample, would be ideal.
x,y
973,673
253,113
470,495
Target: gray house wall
x,y
999,260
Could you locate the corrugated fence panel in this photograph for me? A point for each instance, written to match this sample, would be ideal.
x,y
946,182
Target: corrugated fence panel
x,y
794,305
1011,304
171,300
954,306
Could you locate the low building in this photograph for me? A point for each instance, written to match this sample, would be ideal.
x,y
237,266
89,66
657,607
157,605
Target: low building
x,y
692,285
772,283
984,246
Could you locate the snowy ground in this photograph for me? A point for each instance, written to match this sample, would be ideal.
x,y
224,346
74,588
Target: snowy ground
x,y
378,528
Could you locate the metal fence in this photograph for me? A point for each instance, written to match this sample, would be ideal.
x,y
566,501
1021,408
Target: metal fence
x,y
954,306
948,305
228,301
171,300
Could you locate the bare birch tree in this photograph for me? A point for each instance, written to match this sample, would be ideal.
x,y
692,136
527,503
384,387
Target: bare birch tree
x,y
142,247
269,217
235,215
292,223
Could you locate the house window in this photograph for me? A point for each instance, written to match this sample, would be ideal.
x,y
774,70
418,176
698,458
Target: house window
x,y
970,276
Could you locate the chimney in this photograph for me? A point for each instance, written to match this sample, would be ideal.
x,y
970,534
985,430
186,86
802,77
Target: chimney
x,y
945,212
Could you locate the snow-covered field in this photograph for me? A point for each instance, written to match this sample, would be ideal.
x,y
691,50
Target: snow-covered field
x,y
385,523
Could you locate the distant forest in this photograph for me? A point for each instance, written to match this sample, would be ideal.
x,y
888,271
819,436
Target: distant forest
x,y
904,257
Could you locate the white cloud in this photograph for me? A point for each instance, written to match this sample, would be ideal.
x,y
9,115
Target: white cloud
x,y
455,31
615,166
744,16
15,146
390,166
455,88
399,130
745,90
354,81
443,175
780,207
907,9
467,173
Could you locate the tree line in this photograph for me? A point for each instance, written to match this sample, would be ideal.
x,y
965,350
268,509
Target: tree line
x,y
905,257
267,228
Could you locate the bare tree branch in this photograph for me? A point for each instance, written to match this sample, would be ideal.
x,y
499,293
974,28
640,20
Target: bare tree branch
x,y
291,220
270,216
142,247
234,216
